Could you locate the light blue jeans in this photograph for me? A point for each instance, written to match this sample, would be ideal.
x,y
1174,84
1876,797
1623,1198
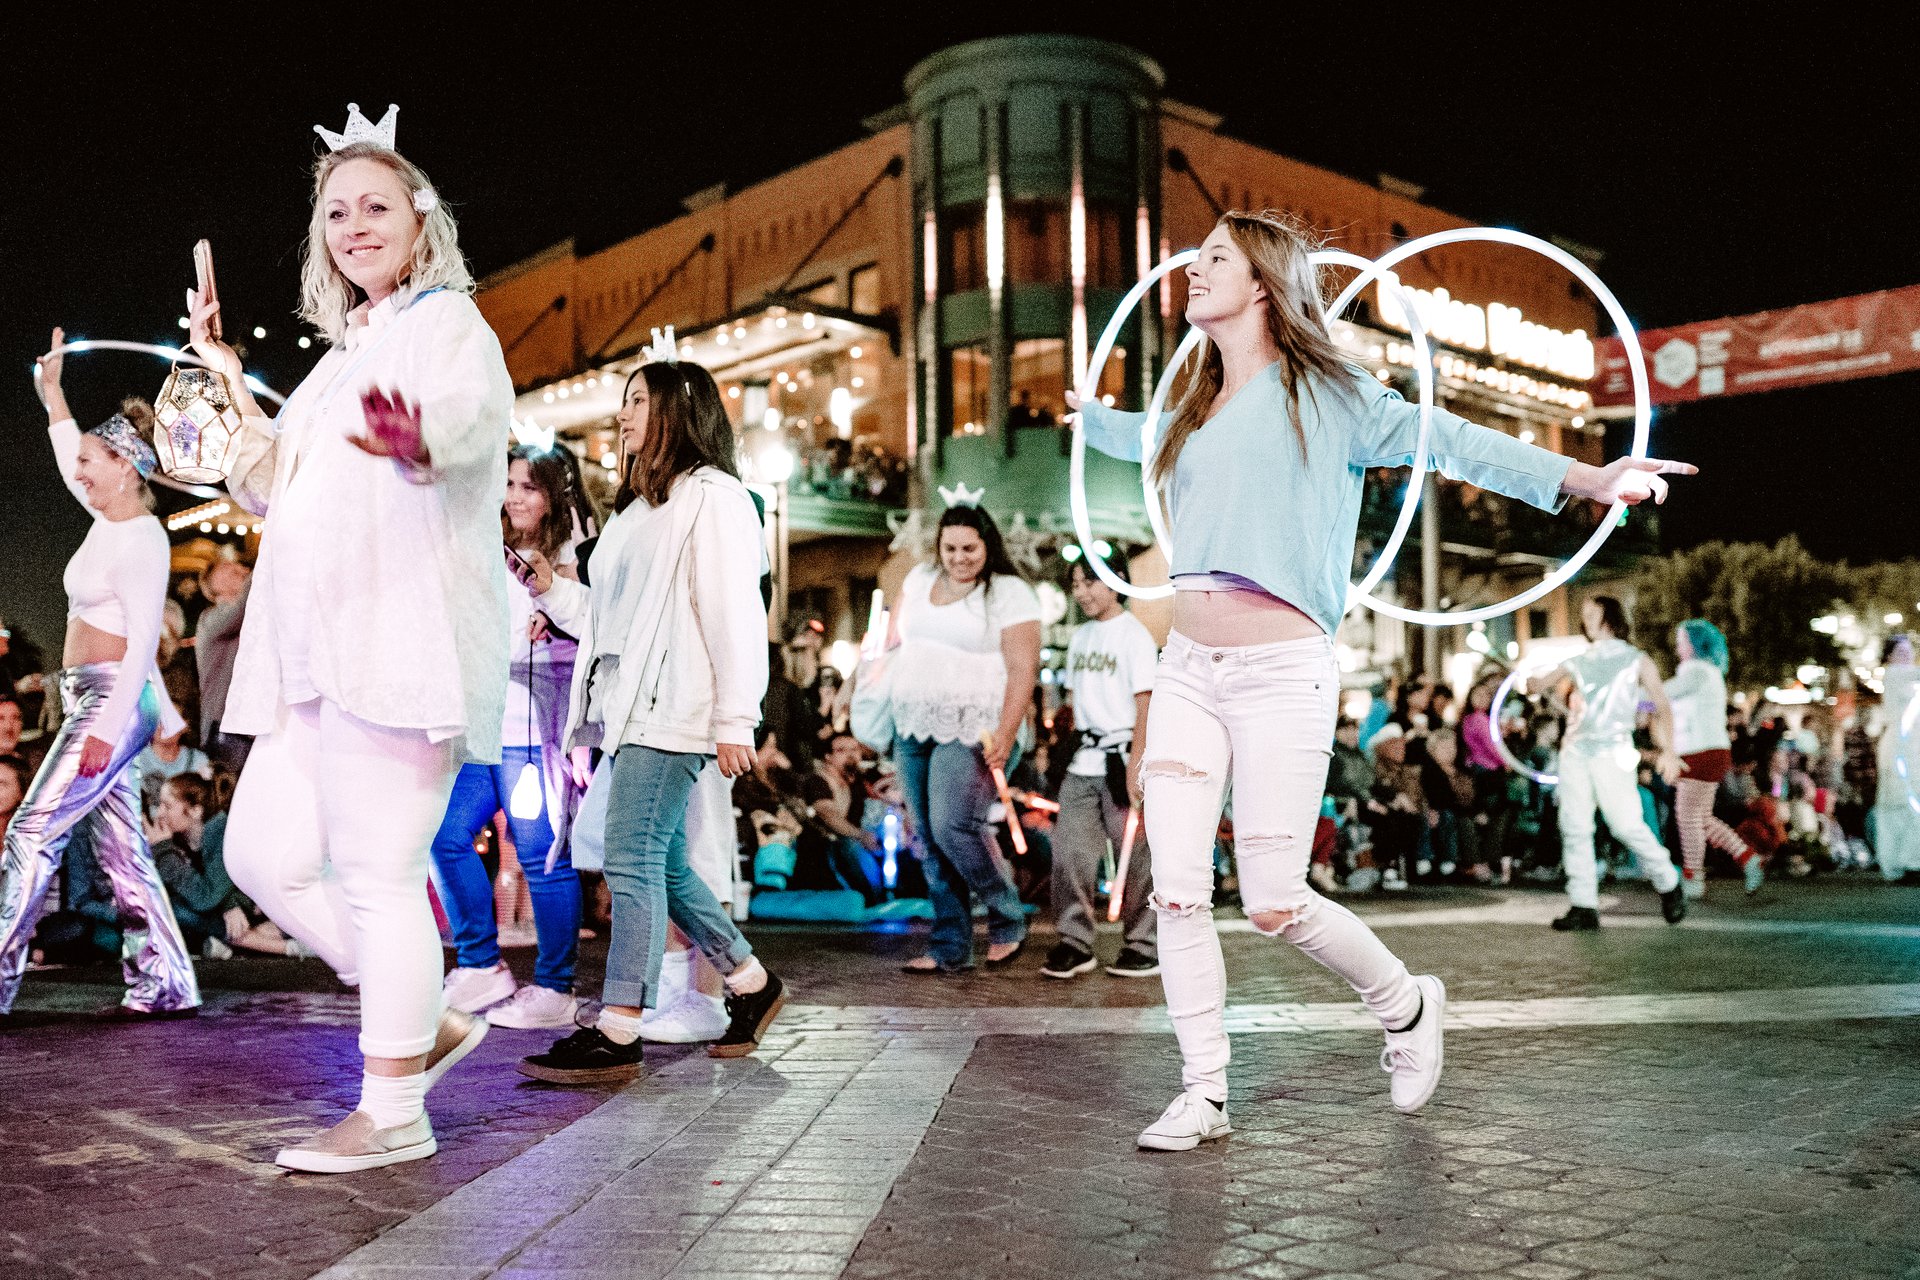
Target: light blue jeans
x,y
481,791
949,792
652,881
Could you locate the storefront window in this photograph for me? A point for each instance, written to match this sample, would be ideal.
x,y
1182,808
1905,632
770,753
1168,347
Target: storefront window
x,y
964,266
1039,383
1037,242
970,374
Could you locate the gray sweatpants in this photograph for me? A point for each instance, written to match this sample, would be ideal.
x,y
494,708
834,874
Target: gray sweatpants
x,y
1088,820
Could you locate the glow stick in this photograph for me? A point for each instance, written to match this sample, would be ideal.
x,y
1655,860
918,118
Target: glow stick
x,y
1126,856
1006,797
1500,743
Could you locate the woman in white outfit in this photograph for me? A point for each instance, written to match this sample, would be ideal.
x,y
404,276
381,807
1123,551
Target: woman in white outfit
x,y
112,697
1896,812
1262,468
373,660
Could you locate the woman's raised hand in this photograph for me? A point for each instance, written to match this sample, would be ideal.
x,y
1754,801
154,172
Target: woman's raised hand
x,y
54,363
201,319
393,428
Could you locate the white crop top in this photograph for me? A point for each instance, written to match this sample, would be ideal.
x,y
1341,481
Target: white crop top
x,y
117,583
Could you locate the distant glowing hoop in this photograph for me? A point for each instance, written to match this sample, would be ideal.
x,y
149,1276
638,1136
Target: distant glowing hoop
x,y
1500,742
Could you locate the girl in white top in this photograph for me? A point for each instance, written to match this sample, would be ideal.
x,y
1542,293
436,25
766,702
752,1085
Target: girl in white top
x,y
1698,694
111,692
373,659
968,637
1896,813
671,673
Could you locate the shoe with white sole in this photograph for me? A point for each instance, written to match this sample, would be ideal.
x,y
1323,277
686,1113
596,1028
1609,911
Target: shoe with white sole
x,y
1188,1121
1692,889
354,1144
695,1018
471,990
1414,1057
1755,871
535,1006
458,1035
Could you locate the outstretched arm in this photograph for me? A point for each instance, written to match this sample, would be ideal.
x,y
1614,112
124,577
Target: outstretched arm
x,y
1113,432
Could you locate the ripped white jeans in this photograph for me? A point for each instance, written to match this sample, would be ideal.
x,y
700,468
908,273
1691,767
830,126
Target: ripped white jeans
x,y
1262,716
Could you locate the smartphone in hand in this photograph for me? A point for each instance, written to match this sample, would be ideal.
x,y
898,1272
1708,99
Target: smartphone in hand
x,y
518,566
203,283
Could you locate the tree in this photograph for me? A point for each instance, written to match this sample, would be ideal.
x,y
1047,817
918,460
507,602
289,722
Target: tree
x,y
1764,598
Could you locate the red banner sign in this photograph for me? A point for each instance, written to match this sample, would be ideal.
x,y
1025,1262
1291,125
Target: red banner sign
x,y
1859,337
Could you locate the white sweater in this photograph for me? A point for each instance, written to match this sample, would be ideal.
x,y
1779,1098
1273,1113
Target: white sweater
x,y
1699,695
386,597
684,579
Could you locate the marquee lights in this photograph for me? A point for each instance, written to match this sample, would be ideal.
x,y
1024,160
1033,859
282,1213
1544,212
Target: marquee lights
x,y
1495,328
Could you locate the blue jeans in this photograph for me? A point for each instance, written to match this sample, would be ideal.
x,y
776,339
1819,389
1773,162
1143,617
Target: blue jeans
x,y
650,878
481,791
949,791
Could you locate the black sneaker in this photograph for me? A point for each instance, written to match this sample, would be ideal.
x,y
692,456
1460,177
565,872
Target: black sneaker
x,y
1132,964
585,1057
1673,904
1578,920
747,1019
1067,961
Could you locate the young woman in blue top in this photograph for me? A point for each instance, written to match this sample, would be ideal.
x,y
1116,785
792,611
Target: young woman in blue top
x,y
1261,466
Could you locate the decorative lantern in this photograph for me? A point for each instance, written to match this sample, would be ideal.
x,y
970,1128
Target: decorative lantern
x,y
199,426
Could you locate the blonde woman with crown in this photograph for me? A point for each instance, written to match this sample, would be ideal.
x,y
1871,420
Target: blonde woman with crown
x,y
373,660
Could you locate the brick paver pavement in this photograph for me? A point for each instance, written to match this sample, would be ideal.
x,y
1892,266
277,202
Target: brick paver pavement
x,y
1593,1122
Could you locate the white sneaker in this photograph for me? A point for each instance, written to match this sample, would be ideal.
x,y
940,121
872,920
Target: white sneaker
x,y
1186,1123
1413,1057
1693,890
533,1006
214,949
692,1019
471,990
355,1144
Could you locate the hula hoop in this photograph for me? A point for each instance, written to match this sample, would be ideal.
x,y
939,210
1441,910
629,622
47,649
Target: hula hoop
x,y
1499,740
1642,409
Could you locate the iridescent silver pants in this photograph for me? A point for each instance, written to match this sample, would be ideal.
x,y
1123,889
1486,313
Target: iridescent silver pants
x,y
153,956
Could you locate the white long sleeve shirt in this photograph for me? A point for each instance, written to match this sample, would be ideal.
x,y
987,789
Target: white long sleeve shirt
x,y
384,596
1698,693
117,583
676,599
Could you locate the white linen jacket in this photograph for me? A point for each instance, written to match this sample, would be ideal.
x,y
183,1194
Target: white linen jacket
x,y
406,620
693,664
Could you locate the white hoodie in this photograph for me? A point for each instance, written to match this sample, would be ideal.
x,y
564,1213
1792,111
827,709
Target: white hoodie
x,y
693,657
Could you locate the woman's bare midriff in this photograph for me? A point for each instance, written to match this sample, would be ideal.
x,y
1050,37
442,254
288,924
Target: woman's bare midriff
x,y
1228,619
87,643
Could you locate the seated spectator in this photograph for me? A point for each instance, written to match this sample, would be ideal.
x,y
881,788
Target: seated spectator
x,y
165,758
1451,810
836,798
1350,776
13,787
1397,811
214,915
13,739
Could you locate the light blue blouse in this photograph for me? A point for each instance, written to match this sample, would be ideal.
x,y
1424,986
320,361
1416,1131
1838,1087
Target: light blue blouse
x,y
1243,500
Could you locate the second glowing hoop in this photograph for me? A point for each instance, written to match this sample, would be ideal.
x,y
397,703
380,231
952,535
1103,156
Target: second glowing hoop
x,y
1499,740
80,346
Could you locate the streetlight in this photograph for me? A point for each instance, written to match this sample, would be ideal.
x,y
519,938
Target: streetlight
x,y
775,464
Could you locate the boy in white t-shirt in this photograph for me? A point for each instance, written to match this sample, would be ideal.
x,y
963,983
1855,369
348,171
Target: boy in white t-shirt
x,y
1110,665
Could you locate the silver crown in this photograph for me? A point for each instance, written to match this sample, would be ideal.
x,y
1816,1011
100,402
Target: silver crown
x,y
361,129
961,496
663,347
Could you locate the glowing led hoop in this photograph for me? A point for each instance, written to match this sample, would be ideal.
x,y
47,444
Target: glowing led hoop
x,y
79,346
1499,740
1642,408
1149,433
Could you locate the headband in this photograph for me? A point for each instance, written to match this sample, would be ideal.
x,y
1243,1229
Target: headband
x,y
120,435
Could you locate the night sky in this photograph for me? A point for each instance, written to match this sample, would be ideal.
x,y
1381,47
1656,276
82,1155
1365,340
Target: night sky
x,y
1720,172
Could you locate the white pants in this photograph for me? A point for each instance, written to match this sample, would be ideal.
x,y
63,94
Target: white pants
x,y
1264,716
331,834
1587,780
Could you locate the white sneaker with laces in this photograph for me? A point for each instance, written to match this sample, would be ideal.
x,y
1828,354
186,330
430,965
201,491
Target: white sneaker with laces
x,y
692,1019
535,1006
1186,1123
471,990
1413,1057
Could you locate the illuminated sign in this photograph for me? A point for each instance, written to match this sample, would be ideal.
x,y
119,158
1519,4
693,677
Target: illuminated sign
x,y
1496,329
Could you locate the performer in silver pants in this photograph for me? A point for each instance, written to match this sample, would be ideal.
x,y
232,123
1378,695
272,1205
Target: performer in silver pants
x,y
153,956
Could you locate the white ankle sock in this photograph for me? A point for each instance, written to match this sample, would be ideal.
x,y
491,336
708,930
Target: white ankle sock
x,y
618,1027
393,1100
748,978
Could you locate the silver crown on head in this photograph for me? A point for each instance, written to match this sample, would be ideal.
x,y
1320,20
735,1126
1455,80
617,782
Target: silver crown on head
x,y
961,496
663,348
361,129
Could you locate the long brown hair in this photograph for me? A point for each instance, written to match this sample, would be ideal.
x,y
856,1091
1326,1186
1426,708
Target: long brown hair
x,y
548,470
687,427
1277,249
